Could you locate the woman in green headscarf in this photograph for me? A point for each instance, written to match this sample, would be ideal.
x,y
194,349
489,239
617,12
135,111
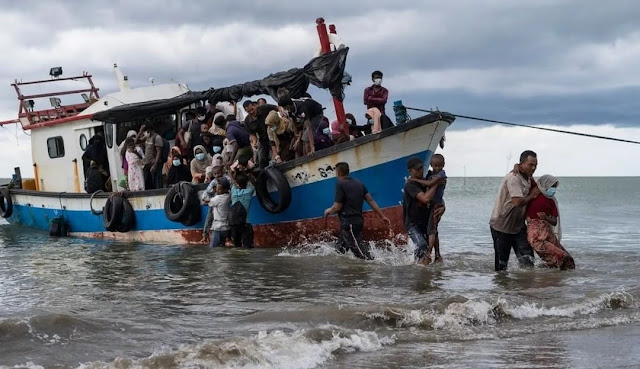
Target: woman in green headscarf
x,y
543,226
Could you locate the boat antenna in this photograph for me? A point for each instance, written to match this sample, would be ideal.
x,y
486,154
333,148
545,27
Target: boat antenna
x,y
533,127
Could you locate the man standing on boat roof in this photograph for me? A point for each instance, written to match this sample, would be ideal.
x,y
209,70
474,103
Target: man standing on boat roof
x,y
375,96
350,195
508,228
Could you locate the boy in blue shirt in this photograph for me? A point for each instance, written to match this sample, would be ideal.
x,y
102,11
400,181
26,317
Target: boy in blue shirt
x,y
241,193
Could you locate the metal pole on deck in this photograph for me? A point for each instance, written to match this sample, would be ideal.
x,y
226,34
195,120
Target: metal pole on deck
x,y
326,48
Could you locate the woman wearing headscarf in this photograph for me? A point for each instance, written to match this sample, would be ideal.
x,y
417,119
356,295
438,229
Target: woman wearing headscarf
x,y
280,131
199,164
543,226
373,117
173,153
377,120
133,156
123,150
179,171
218,127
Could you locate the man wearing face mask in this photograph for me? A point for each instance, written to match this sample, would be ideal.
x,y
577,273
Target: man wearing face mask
x,y
375,96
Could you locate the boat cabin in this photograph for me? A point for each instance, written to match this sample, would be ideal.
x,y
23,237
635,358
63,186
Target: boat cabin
x,y
61,134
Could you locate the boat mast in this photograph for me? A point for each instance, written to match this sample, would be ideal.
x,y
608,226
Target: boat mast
x,y
326,48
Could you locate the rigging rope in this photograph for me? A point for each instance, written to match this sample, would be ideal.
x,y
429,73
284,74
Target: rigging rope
x,y
533,127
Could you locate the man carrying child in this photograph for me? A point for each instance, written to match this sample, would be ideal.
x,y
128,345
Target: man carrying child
x,y
417,208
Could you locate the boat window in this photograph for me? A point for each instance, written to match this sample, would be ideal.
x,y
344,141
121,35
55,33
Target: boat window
x,y
83,142
108,134
55,145
166,125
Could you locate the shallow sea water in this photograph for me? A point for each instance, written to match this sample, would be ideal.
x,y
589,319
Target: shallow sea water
x,y
79,303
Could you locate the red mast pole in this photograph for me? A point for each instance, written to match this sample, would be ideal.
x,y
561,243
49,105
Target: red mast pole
x,y
326,47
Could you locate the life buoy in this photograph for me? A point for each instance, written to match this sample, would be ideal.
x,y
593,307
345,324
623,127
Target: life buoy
x,y
128,220
334,40
282,185
6,204
112,213
182,205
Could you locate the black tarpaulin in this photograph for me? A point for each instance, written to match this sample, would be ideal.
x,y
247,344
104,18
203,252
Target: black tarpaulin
x,y
325,71
149,109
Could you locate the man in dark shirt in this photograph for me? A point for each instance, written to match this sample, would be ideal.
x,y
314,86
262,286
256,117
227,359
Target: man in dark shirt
x,y
375,96
310,112
350,194
255,122
415,206
239,143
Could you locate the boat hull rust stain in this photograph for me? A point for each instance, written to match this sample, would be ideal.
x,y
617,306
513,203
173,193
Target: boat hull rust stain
x,y
274,235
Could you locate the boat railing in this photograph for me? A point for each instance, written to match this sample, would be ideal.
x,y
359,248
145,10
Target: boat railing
x,y
58,112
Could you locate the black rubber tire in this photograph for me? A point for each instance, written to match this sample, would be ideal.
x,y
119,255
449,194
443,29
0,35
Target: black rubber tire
x,y
179,201
112,213
194,216
5,211
262,192
128,220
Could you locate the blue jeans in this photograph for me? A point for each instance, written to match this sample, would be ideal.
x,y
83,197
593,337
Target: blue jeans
x,y
219,238
419,236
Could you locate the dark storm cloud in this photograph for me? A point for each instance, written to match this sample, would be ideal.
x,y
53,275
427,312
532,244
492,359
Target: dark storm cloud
x,y
507,60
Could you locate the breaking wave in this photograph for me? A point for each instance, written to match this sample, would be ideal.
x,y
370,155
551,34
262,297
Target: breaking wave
x,y
480,313
298,349
47,328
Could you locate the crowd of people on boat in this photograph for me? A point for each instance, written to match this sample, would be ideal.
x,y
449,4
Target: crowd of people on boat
x,y
224,133
220,145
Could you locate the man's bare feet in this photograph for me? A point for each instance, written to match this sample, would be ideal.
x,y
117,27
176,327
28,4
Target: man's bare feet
x,y
438,259
424,261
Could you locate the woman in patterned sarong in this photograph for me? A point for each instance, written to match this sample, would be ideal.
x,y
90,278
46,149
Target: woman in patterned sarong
x,y
543,226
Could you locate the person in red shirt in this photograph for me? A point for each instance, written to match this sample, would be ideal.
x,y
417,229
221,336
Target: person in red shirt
x,y
375,96
543,226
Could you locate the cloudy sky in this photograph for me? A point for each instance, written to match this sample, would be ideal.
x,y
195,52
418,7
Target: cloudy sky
x,y
563,63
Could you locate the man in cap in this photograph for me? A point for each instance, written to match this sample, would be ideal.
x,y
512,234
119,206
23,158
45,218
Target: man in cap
x,y
415,207
375,96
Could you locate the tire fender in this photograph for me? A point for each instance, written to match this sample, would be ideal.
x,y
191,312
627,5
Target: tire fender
x,y
282,186
112,213
6,204
128,220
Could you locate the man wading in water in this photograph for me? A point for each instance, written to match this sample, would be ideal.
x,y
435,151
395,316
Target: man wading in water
x,y
508,229
416,208
350,194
